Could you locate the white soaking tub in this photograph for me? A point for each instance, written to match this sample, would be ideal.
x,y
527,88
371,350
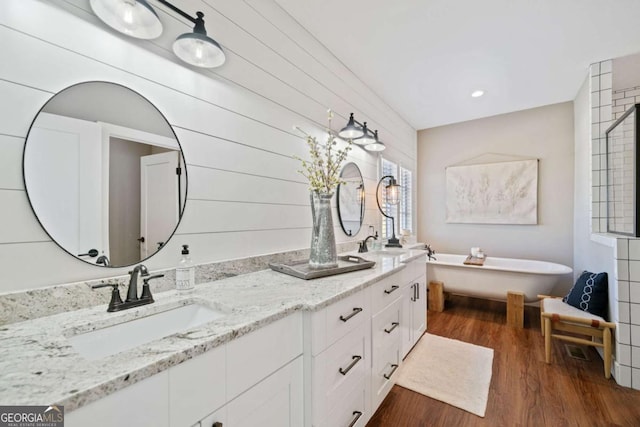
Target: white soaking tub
x,y
496,277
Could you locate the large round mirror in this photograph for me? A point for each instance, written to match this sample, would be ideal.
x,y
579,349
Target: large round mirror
x,y
351,199
105,174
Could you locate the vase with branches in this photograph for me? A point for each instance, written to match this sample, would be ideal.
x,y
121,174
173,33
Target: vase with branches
x,y
322,170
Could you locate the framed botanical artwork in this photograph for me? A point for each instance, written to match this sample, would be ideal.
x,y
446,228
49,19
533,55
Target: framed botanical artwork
x,y
493,193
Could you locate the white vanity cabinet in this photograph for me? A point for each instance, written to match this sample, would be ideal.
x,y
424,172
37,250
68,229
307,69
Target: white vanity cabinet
x,y
256,379
325,368
261,381
414,304
337,362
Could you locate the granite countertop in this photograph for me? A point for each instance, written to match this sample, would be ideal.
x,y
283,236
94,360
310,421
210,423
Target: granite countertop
x,y
38,365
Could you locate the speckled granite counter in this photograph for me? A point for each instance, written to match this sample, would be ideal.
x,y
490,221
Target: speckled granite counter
x,y
38,366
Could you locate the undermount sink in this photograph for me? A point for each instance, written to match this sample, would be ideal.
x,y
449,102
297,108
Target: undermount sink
x,y
132,333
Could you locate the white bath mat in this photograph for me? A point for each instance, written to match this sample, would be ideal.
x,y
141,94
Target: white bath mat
x,y
452,371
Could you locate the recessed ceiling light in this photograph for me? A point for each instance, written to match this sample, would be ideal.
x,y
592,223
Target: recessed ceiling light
x,y
477,93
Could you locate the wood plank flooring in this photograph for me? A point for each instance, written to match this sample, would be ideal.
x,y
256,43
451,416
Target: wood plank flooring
x,y
524,390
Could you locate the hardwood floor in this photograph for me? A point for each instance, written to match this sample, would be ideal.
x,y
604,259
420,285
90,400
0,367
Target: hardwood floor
x,y
524,390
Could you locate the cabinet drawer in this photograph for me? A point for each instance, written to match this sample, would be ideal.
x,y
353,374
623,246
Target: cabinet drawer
x,y
350,411
383,373
386,291
196,387
252,357
338,369
344,316
386,327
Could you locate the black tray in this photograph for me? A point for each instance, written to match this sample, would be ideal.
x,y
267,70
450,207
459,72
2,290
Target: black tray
x,y
301,269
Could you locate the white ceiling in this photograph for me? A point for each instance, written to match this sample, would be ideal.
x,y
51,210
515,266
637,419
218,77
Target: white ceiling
x,y
425,57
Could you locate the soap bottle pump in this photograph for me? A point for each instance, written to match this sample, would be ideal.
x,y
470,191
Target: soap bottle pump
x,y
185,272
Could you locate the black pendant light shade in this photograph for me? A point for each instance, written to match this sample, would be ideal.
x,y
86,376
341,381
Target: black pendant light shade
x,y
359,134
196,48
351,131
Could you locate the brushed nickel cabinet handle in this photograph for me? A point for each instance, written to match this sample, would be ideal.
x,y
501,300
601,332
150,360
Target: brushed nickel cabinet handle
x,y
356,310
390,374
414,298
393,288
357,415
393,326
356,359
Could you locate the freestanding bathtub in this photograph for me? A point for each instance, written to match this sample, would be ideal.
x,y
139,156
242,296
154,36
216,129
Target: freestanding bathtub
x,y
496,277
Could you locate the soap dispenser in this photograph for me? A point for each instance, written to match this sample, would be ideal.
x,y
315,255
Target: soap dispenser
x,y
185,272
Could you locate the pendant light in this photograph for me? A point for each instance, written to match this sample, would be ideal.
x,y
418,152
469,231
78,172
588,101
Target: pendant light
x,y
366,138
376,145
351,131
359,134
135,18
196,48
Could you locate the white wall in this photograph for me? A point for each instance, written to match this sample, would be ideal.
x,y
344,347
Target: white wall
x,y
234,123
545,133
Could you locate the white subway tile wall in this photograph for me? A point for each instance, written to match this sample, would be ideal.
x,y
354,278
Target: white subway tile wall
x,y
623,99
623,312
624,376
624,354
623,333
634,310
601,116
608,106
623,290
627,335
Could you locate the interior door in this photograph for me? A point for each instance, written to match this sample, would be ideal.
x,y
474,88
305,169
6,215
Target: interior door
x,y
159,200
66,153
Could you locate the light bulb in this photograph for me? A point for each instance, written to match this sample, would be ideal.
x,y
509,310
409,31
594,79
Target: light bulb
x,y
128,13
199,50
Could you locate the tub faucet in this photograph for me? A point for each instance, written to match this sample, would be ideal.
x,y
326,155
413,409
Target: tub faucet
x,y
430,252
363,245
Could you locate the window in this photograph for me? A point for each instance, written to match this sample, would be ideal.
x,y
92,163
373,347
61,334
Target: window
x,y
406,190
403,211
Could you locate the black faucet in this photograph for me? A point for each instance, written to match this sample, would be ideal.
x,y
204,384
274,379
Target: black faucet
x,y
103,259
363,245
116,303
132,293
430,252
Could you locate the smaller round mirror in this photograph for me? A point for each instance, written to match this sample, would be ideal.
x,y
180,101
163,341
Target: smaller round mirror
x,y
351,199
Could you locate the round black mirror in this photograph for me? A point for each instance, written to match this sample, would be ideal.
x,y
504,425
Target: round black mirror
x,y
105,174
350,199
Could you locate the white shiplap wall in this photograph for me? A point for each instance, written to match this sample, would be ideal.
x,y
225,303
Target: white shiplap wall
x,y
234,123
